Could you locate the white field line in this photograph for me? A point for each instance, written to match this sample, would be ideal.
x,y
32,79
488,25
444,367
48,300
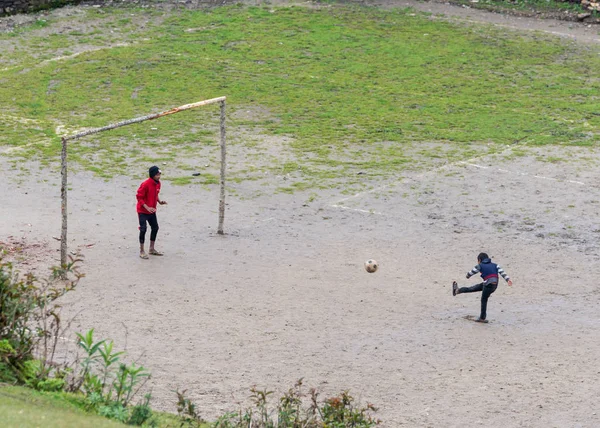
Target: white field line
x,y
60,58
18,119
66,57
66,339
444,224
377,189
339,204
525,174
357,209
253,224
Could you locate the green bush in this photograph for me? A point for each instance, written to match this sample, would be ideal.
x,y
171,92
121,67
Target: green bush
x,y
7,373
6,350
141,413
30,323
29,315
29,372
114,410
51,385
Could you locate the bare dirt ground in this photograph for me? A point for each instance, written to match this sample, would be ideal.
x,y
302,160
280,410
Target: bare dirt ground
x,y
284,294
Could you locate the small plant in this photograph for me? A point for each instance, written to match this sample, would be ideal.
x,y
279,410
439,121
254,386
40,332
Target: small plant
x,y
109,384
128,381
290,412
109,359
187,411
114,410
90,382
340,411
141,413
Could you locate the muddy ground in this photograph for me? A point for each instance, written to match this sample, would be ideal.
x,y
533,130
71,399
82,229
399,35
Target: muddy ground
x,y
284,294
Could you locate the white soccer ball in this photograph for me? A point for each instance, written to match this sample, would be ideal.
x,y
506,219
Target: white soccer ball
x,y
371,266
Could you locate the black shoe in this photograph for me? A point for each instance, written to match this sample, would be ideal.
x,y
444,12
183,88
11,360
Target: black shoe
x,y
482,320
454,288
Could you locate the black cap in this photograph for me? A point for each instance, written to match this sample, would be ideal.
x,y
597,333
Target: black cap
x,y
153,171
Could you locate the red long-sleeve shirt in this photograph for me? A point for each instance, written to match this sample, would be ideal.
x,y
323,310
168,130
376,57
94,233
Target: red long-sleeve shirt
x,y
147,194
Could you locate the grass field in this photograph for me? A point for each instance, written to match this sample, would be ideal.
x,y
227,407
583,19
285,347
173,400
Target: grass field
x,y
349,88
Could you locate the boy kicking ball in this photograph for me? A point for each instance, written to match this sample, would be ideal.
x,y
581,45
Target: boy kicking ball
x,y
489,272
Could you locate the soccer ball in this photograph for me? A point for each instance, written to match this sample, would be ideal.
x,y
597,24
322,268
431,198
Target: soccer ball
x,y
371,266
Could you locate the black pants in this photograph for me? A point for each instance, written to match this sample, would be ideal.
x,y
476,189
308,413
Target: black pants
x,y
151,219
486,292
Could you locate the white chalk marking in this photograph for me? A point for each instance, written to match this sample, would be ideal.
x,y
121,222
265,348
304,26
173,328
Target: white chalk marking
x,y
475,165
525,174
359,194
356,209
440,168
60,58
443,224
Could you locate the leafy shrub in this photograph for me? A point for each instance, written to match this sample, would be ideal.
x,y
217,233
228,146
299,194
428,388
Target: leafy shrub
x,y
136,415
6,350
141,413
29,314
51,385
7,373
114,410
29,372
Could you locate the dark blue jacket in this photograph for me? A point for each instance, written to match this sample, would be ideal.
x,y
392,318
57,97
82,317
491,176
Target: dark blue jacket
x,y
489,272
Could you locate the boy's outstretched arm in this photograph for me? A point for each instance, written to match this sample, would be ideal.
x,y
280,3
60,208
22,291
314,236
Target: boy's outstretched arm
x,y
473,271
504,275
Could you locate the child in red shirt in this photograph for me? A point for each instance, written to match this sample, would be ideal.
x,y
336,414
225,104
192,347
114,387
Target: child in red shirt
x,y
147,197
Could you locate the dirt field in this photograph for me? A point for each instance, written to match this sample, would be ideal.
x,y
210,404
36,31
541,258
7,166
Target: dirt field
x,y
284,294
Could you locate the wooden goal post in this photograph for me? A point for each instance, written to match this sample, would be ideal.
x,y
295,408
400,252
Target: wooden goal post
x,y
63,188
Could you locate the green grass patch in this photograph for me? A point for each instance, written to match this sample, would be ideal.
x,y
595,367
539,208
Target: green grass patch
x,y
337,82
25,407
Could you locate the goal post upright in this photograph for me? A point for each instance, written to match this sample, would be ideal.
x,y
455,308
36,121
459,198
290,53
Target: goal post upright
x,y
63,207
63,171
223,163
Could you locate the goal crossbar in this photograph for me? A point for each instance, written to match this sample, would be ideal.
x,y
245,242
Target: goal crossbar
x,y
144,118
65,139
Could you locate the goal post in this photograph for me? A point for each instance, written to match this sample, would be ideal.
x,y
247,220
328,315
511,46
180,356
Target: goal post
x,y
66,139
